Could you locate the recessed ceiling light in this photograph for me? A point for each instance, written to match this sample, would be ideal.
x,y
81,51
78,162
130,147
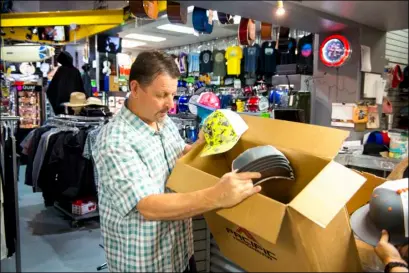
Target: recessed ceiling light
x,y
144,37
177,28
131,43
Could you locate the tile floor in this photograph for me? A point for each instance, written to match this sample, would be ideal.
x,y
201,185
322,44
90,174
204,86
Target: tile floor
x,y
48,243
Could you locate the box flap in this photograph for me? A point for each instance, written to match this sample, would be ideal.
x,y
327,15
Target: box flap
x,y
257,214
363,195
311,139
327,193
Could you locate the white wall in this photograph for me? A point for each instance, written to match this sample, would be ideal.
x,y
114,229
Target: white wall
x,y
397,47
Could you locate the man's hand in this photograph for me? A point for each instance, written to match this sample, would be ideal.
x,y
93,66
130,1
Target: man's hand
x,y
234,187
386,251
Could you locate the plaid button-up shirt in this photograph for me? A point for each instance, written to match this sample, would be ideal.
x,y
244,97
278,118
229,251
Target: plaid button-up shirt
x,y
133,162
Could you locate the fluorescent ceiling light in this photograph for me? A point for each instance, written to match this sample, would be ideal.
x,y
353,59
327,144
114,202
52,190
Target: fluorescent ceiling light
x,y
177,28
143,37
131,43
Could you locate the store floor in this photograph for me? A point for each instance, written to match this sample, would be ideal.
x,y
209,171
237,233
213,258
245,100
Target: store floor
x,y
48,243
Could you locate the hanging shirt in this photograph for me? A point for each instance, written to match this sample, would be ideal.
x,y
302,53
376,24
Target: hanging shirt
x,y
193,60
234,54
219,63
306,54
133,162
206,62
3,253
268,60
251,56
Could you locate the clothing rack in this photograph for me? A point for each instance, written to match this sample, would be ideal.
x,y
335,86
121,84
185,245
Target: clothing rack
x,y
10,121
76,121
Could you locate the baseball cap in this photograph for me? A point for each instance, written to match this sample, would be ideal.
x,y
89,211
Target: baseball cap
x,y
387,209
222,129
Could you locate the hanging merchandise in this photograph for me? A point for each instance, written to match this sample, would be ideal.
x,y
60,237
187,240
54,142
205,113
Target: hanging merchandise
x,y
251,57
305,57
397,76
26,53
405,82
266,31
219,63
202,23
193,60
268,58
206,62
335,51
225,18
247,31
144,9
234,54
182,64
177,14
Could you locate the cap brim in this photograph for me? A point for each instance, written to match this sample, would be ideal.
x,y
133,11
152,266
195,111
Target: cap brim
x,y
367,231
73,104
212,150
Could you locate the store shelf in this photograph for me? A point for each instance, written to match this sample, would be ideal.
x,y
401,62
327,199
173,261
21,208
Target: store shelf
x,y
368,162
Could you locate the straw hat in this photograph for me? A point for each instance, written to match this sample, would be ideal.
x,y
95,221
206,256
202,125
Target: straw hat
x,y
77,99
94,101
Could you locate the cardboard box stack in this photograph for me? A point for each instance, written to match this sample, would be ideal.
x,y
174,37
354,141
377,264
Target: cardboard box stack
x,y
300,225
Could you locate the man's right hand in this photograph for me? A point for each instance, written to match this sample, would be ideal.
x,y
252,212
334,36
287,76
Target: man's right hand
x,y
234,187
386,251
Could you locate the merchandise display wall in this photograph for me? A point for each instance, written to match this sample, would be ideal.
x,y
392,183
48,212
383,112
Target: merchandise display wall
x,y
349,75
330,85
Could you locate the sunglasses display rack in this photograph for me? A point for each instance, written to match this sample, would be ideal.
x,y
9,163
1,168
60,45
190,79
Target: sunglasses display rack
x,y
29,106
7,100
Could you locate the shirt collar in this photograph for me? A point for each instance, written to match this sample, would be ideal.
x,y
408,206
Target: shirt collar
x,y
136,122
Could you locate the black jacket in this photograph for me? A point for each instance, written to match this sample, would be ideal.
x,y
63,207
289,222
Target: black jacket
x,y
66,80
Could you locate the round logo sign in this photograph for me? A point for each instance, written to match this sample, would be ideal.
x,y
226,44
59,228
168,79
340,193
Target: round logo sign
x,y
335,50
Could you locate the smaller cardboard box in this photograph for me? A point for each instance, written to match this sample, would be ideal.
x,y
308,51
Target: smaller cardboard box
x,y
299,225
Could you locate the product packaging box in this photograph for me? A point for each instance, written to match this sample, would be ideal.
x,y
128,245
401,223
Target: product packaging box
x,y
369,260
300,225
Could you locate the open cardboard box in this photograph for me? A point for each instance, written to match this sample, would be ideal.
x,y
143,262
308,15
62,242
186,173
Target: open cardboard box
x,y
299,225
369,260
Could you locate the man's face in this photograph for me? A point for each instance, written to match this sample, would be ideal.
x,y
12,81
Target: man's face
x,y
154,101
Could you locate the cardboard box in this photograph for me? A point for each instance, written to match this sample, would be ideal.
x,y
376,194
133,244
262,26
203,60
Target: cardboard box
x,y
299,225
369,260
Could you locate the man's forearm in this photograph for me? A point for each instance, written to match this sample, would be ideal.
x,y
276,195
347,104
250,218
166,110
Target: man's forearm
x,y
177,206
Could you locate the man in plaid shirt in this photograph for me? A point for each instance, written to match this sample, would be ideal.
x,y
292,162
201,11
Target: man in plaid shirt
x,y
145,227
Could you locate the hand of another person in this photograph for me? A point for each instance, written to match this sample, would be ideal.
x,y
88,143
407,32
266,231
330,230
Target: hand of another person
x,y
234,187
386,251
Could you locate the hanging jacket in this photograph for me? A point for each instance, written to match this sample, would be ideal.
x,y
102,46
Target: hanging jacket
x,y
66,80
